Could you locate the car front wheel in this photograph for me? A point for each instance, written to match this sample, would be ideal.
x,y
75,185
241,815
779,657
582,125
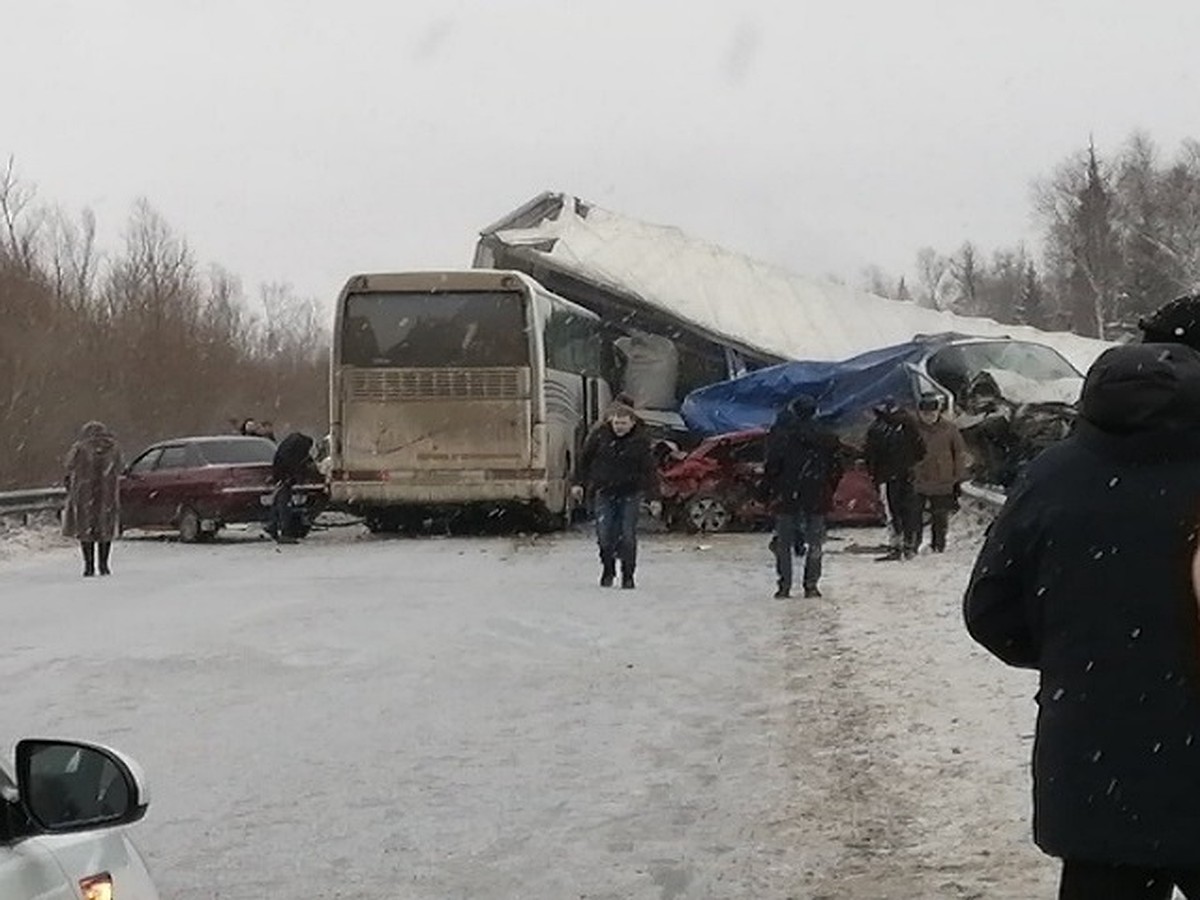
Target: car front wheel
x,y
707,514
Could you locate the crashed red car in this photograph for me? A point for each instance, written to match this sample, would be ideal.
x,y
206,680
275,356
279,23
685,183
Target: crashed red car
x,y
198,485
716,487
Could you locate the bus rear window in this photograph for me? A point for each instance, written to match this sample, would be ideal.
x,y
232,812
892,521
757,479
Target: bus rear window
x,y
470,329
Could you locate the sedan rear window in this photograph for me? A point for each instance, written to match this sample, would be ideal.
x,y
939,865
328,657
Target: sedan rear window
x,y
174,457
237,451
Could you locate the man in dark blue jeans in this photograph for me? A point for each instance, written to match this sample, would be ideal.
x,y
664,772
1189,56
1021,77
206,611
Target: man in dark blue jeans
x,y
291,466
617,463
803,467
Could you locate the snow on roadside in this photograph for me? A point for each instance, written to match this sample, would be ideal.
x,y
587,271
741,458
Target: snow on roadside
x,y
20,544
908,745
933,739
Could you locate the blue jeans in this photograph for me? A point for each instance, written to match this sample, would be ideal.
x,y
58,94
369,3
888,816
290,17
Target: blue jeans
x,y
792,531
616,529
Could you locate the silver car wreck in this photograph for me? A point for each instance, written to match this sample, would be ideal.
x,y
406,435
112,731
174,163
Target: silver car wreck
x,y
1011,399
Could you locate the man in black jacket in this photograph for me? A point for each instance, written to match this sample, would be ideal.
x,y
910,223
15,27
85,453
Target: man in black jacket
x,y
293,464
1087,575
617,463
893,449
802,471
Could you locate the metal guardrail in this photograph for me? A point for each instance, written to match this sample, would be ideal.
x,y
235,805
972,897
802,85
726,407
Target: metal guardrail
x,y
24,504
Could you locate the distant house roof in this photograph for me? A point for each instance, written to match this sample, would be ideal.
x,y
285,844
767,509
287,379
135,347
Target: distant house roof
x,y
728,296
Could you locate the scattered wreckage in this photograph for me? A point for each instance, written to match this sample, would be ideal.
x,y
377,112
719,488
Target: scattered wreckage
x,y
718,486
1012,399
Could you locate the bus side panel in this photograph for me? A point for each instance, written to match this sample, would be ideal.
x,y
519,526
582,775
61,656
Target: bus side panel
x,y
566,415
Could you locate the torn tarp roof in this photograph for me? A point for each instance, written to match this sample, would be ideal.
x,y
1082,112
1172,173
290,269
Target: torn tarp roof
x,y
845,391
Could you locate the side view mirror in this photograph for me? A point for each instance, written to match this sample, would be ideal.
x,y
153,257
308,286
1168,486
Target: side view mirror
x,y
66,786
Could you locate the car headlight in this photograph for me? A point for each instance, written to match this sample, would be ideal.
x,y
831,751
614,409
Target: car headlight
x,y
96,887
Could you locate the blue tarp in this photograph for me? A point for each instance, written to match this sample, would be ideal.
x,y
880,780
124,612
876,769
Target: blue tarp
x,y
845,391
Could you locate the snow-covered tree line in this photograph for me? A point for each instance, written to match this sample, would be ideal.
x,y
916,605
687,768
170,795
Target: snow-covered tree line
x,y
144,338
1120,235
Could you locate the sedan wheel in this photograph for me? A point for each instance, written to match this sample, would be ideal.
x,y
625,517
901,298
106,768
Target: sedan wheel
x,y
707,515
189,526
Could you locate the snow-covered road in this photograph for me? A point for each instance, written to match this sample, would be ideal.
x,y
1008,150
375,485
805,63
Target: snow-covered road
x,y
473,718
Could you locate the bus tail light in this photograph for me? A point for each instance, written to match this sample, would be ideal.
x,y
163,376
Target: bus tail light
x,y
97,887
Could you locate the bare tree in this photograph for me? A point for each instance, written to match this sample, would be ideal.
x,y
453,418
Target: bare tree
x,y
140,339
73,261
932,274
1077,206
966,273
21,223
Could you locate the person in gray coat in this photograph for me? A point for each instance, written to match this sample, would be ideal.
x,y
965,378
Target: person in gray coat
x,y
92,510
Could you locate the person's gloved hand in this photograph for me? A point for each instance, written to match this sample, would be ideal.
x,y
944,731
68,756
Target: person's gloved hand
x,y
577,493
656,508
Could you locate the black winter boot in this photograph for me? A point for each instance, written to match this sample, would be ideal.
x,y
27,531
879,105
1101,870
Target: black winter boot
x,y
627,582
89,558
105,551
608,574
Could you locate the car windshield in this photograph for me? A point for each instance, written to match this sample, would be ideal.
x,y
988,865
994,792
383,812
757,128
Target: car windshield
x,y
237,451
957,366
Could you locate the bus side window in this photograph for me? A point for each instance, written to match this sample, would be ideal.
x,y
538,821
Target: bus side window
x,y
573,343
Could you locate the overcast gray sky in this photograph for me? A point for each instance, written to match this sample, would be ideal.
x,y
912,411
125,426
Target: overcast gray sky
x,y
301,141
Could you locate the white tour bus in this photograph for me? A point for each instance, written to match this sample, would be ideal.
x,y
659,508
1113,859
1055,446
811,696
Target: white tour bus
x,y
459,389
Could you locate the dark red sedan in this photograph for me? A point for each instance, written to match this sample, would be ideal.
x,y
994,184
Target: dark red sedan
x,y
198,485
716,487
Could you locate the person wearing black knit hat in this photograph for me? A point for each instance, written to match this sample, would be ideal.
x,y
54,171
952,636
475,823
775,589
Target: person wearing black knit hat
x,y
1176,322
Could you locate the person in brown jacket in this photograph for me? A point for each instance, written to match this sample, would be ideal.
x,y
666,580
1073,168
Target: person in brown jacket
x,y
941,472
92,509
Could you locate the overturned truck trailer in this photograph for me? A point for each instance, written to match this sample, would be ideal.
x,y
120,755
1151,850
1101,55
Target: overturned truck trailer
x,y
722,314
660,350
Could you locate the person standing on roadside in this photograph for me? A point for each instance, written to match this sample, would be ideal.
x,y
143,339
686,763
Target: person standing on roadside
x,y
92,510
1089,576
939,474
617,465
893,449
803,467
292,465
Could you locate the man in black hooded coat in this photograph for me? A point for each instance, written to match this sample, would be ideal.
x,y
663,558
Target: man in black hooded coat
x,y
1087,575
803,467
293,464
